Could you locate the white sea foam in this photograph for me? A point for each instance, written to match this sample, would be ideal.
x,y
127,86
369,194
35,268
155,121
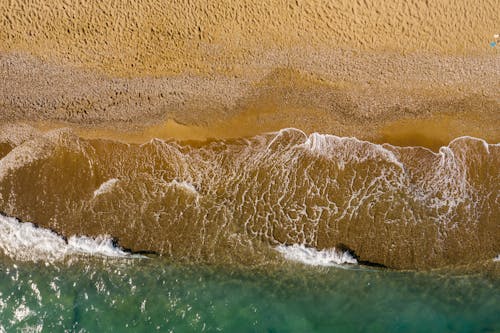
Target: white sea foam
x,y
185,186
105,187
345,150
29,149
312,256
26,242
24,154
16,134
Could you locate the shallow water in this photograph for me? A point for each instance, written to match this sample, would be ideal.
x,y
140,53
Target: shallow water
x,y
145,295
232,201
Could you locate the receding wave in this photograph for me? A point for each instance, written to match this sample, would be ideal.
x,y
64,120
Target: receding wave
x,y
236,200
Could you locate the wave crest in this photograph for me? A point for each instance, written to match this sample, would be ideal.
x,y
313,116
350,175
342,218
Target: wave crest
x,y
311,256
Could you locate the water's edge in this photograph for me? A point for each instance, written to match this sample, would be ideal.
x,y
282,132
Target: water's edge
x,y
239,201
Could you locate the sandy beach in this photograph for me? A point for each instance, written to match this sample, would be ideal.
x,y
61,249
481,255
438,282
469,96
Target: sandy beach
x,y
250,166
237,68
217,77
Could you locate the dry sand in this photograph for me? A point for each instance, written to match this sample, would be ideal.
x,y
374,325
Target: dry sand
x,y
154,37
378,70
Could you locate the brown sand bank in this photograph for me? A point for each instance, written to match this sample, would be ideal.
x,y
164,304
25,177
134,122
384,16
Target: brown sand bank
x,y
336,92
233,201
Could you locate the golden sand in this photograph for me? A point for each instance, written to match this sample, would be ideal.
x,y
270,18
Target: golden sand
x,y
238,68
348,97
129,37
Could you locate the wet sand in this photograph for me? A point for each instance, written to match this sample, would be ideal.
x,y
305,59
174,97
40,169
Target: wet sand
x,y
430,107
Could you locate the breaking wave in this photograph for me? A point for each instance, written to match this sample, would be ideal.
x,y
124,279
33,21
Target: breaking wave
x,y
314,257
25,242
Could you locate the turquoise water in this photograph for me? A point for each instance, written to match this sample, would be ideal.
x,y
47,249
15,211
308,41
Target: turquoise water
x,y
146,295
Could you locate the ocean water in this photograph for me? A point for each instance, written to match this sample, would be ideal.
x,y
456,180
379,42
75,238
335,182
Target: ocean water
x,y
148,295
281,232
85,284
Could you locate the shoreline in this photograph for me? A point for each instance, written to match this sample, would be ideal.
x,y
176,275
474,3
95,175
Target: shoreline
x,y
218,75
401,133
342,99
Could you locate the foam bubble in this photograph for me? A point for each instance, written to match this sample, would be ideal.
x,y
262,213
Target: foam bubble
x,y
311,256
30,148
26,242
16,134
